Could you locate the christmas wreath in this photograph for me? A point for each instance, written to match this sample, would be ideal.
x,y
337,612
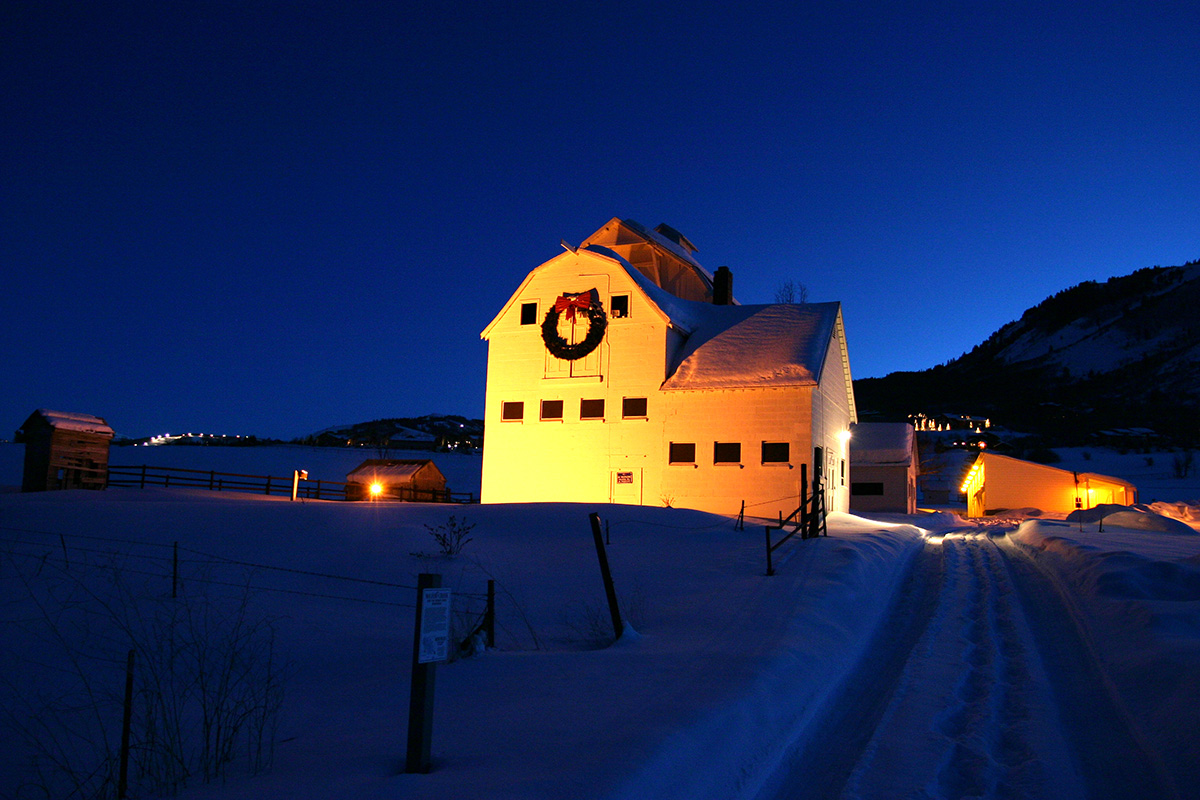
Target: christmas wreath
x,y
586,304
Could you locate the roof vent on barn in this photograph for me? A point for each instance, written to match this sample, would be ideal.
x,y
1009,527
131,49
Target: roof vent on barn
x,y
676,237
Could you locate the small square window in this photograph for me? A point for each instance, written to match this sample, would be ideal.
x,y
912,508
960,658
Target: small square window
x,y
512,411
552,409
633,407
591,409
619,306
529,313
682,453
775,452
727,452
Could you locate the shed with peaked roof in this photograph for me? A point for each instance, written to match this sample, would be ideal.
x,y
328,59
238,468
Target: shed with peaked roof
x,y
64,451
884,462
997,482
618,372
416,479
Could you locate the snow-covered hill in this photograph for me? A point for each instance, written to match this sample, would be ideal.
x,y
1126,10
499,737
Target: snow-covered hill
x,y
1120,354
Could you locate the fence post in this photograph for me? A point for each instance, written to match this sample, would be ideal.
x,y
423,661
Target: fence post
x,y
606,574
143,486
211,475
420,702
489,622
804,501
770,568
268,484
123,775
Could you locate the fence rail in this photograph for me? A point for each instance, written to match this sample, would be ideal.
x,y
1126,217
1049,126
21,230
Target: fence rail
x,y
178,477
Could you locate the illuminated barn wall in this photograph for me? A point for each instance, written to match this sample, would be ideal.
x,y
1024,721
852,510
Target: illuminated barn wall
x,y
998,482
554,447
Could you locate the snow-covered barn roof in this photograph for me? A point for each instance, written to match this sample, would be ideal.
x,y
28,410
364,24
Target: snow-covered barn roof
x,y
881,443
67,421
734,347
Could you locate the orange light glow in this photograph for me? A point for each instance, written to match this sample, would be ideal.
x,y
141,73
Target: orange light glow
x,y
376,489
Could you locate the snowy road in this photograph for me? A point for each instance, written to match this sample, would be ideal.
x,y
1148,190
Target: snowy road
x,y
979,685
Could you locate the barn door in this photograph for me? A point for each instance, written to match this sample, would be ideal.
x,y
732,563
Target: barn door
x,y
626,486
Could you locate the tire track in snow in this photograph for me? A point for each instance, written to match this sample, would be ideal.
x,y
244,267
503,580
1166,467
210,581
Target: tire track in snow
x,y
960,707
981,684
971,717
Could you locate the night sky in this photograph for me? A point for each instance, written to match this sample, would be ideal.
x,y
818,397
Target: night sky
x,y
265,218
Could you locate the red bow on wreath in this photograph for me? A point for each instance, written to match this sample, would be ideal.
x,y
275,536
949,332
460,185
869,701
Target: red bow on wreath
x,y
570,303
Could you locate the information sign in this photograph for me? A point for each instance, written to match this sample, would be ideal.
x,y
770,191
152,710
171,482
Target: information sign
x,y
435,625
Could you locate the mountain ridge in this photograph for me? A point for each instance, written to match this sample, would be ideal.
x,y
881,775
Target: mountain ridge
x,y
1122,353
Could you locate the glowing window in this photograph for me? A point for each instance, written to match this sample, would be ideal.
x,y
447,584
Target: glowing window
x,y
776,452
591,409
633,407
512,411
552,409
727,452
682,453
529,314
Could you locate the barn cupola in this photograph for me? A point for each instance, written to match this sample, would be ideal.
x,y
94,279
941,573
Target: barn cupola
x,y
723,287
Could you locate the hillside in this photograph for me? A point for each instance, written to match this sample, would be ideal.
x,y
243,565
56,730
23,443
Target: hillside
x,y
427,432
1118,354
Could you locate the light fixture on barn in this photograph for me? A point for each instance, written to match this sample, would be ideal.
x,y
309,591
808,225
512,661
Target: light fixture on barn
x,y
376,490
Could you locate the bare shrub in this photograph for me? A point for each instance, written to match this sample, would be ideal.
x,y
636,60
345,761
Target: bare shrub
x,y
207,682
452,536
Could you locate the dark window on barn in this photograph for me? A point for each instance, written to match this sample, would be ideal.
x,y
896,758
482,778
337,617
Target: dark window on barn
x,y
619,307
776,452
682,453
591,409
843,472
529,314
860,489
512,411
633,407
818,462
727,452
552,409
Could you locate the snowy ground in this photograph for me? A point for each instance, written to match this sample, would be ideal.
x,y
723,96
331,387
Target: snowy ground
x,y
899,657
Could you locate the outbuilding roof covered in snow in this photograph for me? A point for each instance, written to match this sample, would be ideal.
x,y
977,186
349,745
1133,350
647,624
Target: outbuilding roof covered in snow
x,y
881,443
68,421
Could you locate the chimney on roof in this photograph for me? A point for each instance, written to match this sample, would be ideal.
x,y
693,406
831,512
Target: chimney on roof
x,y
723,287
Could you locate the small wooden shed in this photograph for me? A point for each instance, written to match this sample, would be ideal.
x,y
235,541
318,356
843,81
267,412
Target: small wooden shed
x,y
883,467
416,479
998,482
64,451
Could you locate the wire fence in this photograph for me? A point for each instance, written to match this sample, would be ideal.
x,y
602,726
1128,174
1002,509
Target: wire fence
x,y
142,476
177,565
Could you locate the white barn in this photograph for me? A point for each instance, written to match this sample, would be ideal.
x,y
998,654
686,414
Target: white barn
x,y
603,386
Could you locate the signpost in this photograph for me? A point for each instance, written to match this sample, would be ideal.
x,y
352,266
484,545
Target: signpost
x,y
431,642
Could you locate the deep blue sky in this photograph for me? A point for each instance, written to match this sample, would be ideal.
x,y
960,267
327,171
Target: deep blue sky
x,y
271,218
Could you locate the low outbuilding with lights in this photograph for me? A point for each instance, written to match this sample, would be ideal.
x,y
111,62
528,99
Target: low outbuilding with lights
x,y
414,479
997,483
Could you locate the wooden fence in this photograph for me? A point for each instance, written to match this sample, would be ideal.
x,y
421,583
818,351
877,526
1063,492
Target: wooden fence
x,y
143,476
